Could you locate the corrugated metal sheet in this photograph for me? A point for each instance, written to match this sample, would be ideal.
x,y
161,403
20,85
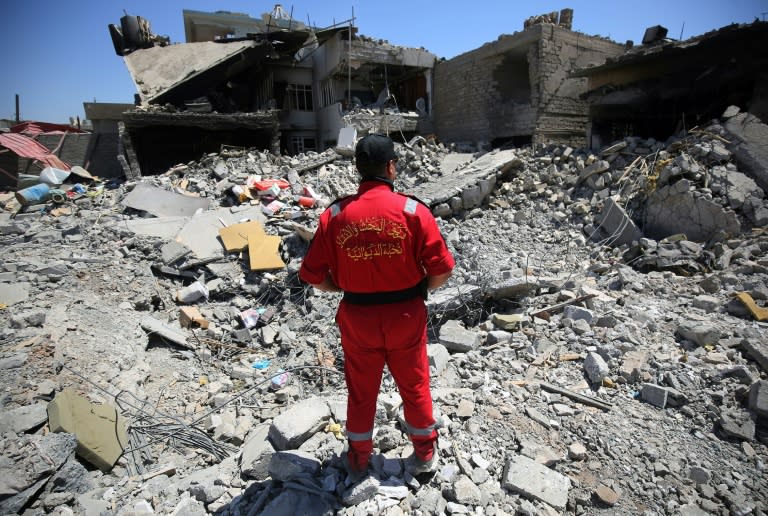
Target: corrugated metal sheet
x,y
26,147
43,127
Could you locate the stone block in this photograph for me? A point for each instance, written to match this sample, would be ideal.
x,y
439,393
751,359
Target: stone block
x,y
758,398
578,313
595,367
287,465
654,394
438,357
291,428
757,351
100,430
22,419
536,482
699,332
456,338
617,223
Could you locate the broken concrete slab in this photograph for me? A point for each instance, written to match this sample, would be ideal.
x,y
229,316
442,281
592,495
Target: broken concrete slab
x,y
758,398
158,70
701,332
157,328
678,209
294,426
23,419
201,232
35,460
162,203
486,166
617,224
456,338
161,227
536,482
757,351
750,146
289,464
100,430
12,293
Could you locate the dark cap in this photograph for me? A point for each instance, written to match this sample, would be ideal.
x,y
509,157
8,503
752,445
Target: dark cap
x,y
375,148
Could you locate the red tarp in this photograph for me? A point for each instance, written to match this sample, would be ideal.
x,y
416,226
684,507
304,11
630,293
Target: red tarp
x,y
43,127
26,147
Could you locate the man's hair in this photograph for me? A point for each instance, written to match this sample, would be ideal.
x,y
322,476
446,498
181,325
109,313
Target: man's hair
x,y
369,169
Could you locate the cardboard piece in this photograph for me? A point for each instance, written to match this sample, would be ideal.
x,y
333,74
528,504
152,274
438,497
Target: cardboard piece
x,y
263,252
235,237
100,430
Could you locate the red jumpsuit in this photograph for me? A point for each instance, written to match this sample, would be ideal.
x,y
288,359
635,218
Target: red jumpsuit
x,y
378,246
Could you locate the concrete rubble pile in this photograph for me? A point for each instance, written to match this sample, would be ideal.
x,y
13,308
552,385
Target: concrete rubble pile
x,y
582,361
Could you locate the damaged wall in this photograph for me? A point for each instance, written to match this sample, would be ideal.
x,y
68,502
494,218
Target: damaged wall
x,y
661,89
518,88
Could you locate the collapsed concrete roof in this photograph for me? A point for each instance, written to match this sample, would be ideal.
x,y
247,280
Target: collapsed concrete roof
x,y
696,78
160,72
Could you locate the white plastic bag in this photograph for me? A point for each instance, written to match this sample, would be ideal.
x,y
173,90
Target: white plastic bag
x,y
53,176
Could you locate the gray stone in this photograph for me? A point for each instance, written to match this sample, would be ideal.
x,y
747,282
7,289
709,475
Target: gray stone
x,y
578,313
537,482
297,424
13,361
207,492
540,453
35,460
699,332
707,303
581,327
456,338
464,491
736,186
654,394
710,284
595,367
699,475
617,223
438,357
737,424
675,209
750,146
22,419
757,351
286,465
633,363
577,451
758,398
498,337
362,491
12,293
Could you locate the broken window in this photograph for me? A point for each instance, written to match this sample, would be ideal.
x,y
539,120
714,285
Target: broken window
x,y
301,144
327,93
300,97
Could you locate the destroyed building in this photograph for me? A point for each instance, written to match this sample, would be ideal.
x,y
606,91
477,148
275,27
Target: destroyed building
x,y
664,86
518,89
272,83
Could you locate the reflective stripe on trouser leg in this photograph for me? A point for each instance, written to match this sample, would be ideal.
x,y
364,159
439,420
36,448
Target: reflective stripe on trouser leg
x,y
363,366
407,361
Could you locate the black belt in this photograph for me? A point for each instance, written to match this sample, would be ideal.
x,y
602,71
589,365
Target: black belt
x,y
385,298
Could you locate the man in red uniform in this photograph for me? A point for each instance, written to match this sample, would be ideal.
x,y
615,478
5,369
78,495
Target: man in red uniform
x,y
384,251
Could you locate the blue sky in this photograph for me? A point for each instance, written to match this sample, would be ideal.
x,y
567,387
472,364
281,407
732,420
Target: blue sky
x,y
57,54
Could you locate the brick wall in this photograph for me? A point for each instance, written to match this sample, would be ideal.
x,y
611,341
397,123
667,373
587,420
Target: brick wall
x,y
562,116
73,149
478,95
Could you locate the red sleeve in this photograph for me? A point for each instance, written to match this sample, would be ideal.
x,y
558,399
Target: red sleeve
x,y
435,256
316,263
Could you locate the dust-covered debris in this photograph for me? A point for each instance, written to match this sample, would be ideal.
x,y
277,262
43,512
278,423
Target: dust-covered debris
x,y
620,365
